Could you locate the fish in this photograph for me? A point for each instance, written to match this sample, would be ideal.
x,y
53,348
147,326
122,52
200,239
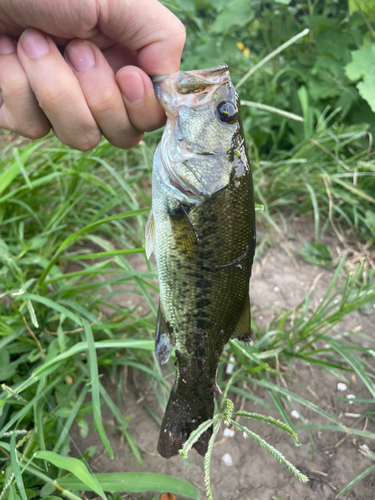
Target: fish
x,y
201,229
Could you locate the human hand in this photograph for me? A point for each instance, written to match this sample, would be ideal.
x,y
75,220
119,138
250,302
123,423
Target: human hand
x,y
100,85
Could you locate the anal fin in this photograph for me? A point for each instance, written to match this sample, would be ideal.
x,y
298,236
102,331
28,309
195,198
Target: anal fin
x,y
164,340
243,327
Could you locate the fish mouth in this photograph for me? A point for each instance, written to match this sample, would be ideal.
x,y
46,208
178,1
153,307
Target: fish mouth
x,y
190,88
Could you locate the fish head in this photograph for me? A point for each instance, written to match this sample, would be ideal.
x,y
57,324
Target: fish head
x,y
203,137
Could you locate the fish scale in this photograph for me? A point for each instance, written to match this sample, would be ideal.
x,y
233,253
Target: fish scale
x,y
202,230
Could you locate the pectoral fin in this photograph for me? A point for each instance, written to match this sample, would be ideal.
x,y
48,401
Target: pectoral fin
x,y
183,231
243,328
164,337
150,235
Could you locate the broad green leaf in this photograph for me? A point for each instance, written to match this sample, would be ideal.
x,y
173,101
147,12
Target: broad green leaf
x,y
362,66
74,466
367,6
135,482
366,90
235,13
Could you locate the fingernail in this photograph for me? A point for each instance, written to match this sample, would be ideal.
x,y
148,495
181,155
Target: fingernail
x,y
80,56
7,46
132,87
34,43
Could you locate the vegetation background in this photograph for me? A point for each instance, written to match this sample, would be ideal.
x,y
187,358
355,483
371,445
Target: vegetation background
x,y
69,222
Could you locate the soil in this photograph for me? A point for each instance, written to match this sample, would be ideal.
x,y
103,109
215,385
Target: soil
x,y
280,281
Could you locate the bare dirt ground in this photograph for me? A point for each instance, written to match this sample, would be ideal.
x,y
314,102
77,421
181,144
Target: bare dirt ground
x,y
280,280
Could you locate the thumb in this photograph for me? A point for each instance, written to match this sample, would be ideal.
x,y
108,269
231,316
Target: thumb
x,y
148,28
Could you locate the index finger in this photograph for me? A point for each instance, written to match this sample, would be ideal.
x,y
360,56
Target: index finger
x,y
146,27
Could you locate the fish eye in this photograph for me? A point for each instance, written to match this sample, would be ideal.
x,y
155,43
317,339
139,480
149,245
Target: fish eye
x,y
227,112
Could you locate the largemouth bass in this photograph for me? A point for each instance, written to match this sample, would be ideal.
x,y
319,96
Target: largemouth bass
x,y
202,230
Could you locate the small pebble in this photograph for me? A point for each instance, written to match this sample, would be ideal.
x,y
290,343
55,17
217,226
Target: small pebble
x,y
227,460
230,366
297,348
295,414
341,386
351,396
276,289
228,432
302,283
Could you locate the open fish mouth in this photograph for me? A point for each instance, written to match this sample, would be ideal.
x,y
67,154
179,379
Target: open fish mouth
x,y
189,88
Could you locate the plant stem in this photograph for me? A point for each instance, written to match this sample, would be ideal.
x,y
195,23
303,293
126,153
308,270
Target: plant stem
x,y
271,55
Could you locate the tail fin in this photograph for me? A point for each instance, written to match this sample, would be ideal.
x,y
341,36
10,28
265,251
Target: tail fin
x,y
185,412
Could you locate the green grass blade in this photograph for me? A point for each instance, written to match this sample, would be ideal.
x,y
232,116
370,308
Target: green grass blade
x,y
336,428
73,237
148,345
7,177
101,255
299,399
16,467
316,210
71,418
93,365
17,416
54,484
135,482
355,362
74,466
52,305
117,414
271,55
356,480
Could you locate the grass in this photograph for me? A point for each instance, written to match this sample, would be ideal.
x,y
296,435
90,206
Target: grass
x,y
333,179
70,221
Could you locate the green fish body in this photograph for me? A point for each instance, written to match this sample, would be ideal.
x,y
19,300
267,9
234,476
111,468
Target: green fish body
x,y
202,230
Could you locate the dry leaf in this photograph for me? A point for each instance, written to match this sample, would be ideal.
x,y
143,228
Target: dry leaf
x,y
167,496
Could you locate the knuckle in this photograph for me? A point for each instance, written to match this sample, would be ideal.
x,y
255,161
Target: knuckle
x,y
180,33
104,101
36,133
85,142
35,129
130,142
52,95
